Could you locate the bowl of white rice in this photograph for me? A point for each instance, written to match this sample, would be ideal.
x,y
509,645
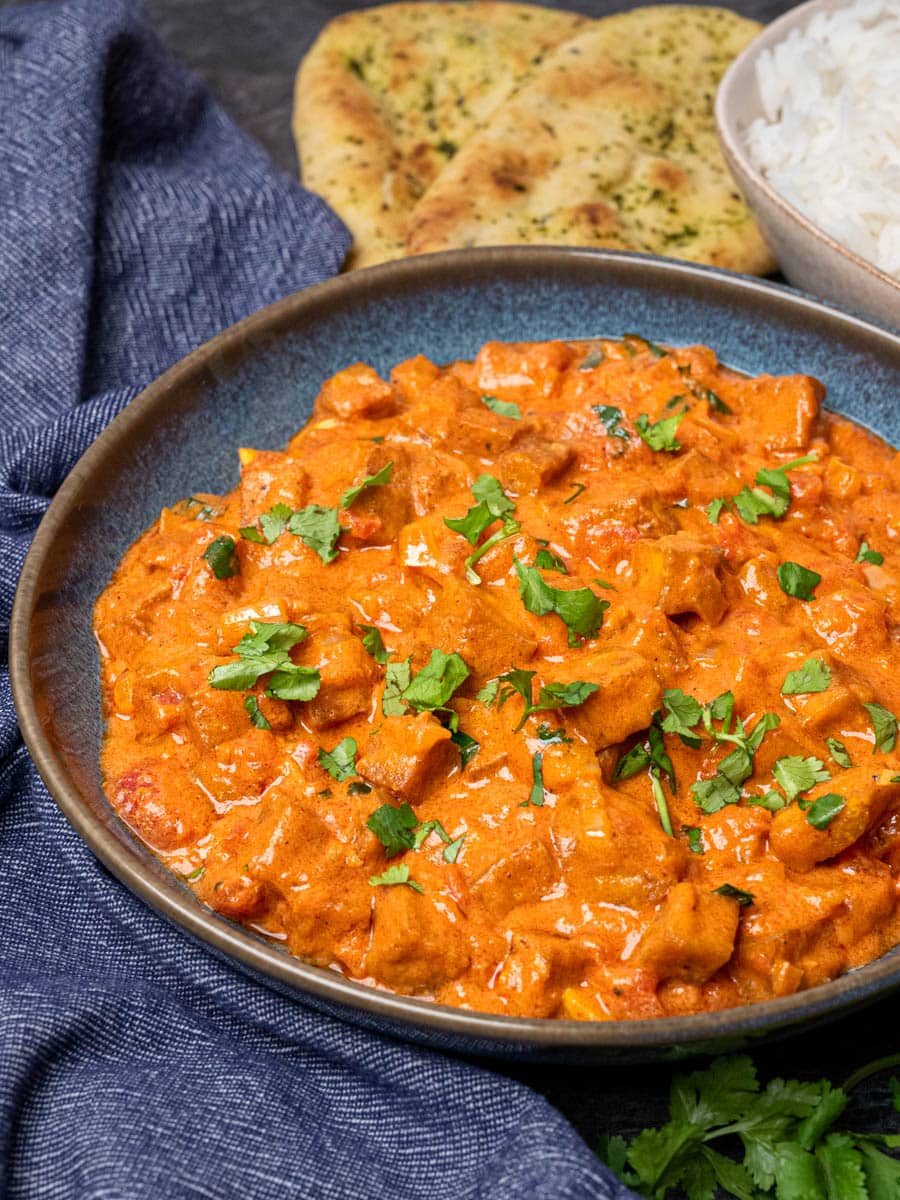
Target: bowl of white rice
x,y
809,123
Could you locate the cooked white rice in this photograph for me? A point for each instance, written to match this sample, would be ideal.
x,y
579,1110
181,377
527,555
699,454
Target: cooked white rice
x,y
830,143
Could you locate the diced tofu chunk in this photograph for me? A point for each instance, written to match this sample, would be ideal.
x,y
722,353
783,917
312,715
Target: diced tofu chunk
x,y
216,716
680,575
540,966
691,936
165,824
271,478
629,693
348,677
473,623
357,391
800,845
521,877
632,860
784,409
416,946
532,462
408,755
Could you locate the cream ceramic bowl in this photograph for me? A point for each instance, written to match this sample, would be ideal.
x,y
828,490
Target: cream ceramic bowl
x,y
808,257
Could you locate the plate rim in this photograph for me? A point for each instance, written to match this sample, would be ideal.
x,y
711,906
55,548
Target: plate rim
x,y
274,965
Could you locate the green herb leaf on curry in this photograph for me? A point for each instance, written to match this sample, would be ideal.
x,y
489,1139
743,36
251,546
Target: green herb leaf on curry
x,y
580,609
884,726
660,435
379,479
503,408
318,528
398,874
867,554
813,676
340,763
221,557
394,826
798,581
257,717
373,643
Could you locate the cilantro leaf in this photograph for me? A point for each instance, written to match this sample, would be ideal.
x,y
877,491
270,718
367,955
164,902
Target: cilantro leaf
x,y
580,609
551,695
221,557
714,510
611,419
867,554
493,504
468,747
550,562
753,503
813,676
394,828
551,737
396,680
503,408
263,650
257,717
734,893
433,686
716,403
579,488
564,695
272,523
317,528
628,340
291,682
682,714
798,581
632,763
842,1169
660,435
536,796
884,726
796,774
373,643
838,752
824,809
452,849
379,479
711,795
488,694
694,837
395,875
340,763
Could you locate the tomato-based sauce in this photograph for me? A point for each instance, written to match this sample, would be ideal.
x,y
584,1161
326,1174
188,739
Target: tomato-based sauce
x,y
560,683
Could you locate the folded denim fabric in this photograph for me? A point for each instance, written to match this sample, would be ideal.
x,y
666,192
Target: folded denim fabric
x,y
135,222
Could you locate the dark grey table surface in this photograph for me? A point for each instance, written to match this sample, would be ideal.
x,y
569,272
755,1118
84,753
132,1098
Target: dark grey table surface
x,y
248,51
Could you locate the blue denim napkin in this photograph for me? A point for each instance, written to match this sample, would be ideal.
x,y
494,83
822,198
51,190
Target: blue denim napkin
x,y
135,222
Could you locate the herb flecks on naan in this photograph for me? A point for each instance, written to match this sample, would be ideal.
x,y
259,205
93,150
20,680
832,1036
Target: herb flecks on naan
x,y
610,142
387,95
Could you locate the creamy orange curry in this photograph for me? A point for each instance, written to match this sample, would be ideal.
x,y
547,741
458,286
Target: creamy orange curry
x,y
558,683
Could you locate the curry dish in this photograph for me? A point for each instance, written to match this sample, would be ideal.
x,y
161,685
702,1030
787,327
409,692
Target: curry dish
x,y
560,683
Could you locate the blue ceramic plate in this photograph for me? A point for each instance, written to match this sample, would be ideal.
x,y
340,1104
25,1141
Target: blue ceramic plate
x,y
254,385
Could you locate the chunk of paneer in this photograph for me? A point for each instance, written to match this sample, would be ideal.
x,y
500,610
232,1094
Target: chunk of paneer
x,y
616,513
417,943
514,370
538,969
165,822
851,621
348,674
214,716
268,478
468,620
691,937
520,877
679,575
408,756
626,852
413,376
378,513
784,410
532,462
629,693
800,845
357,391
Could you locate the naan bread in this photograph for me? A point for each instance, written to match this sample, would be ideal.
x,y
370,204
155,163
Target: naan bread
x,y
387,95
610,142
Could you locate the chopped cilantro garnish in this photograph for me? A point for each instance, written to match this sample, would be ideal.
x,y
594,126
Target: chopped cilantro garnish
x,y
632,763
798,581
536,796
682,713
714,510
221,557
796,774
317,528
838,752
548,561
379,479
263,651
611,419
503,408
884,726
551,695
660,435
773,801
551,737
272,523
734,893
710,795
867,554
824,809
340,763
594,359
579,488
251,704
694,837
716,403
394,828
433,686
659,798
374,644
493,505
452,849
753,503
629,338
395,875
813,676
581,610
358,788
396,679
468,747
427,829
196,874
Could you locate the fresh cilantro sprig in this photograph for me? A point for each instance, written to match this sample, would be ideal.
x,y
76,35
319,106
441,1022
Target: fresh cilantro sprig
x,y
813,676
867,554
316,527
221,557
398,829
884,726
492,505
611,419
395,875
798,581
786,1134
429,690
265,651
660,435
373,643
379,479
503,408
550,696
580,609
340,763
751,503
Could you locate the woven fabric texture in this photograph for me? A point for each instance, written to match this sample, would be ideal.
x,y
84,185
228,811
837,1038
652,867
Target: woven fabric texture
x,y
135,222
